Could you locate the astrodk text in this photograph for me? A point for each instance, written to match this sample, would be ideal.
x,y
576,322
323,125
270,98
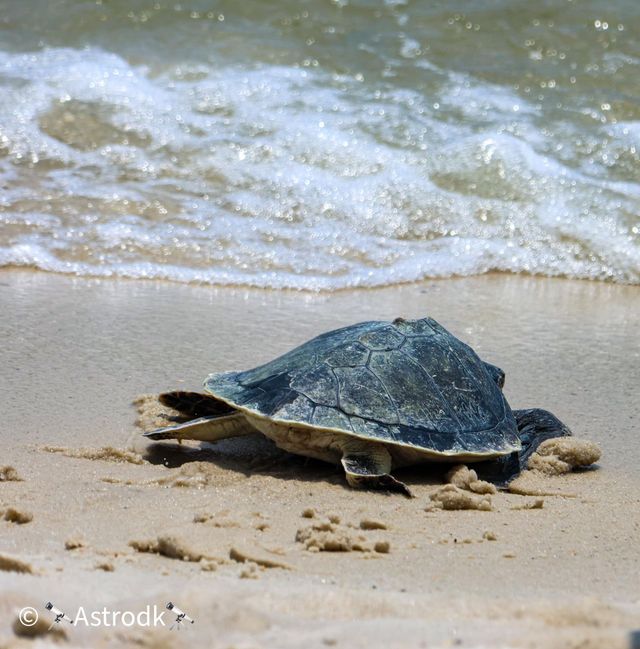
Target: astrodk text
x,y
148,617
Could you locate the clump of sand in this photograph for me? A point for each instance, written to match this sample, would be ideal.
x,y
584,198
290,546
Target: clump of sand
x,y
250,571
40,628
12,564
74,543
464,478
382,547
563,454
330,536
170,546
451,497
372,524
463,491
14,515
9,474
216,520
552,458
206,565
107,453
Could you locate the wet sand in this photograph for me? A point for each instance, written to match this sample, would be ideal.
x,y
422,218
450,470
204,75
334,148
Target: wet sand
x,y
240,534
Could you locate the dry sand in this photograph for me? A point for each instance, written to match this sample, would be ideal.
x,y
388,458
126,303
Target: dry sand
x,y
264,549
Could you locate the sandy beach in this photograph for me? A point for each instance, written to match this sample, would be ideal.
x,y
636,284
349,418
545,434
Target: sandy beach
x,y
190,187
235,534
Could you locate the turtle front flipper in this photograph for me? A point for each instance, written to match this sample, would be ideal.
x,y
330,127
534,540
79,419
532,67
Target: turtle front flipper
x,y
367,466
534,427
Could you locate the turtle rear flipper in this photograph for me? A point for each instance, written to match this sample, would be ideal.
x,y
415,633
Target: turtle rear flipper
x,y
205,429
534,427
194,404
368,468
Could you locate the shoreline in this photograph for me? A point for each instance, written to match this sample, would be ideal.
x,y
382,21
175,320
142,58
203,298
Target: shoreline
x,y
491,274
83,348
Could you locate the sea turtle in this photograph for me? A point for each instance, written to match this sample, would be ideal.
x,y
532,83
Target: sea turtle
x,y
373,396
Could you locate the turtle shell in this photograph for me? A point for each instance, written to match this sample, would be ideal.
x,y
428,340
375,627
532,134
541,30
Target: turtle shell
x,y
406,382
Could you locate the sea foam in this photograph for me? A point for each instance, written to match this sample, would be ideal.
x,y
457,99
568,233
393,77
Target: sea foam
x,y
290,176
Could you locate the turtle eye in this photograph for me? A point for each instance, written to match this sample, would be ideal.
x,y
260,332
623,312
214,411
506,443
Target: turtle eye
x,y
500,379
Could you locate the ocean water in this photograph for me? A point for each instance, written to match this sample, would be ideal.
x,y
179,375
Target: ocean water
x,y
320,144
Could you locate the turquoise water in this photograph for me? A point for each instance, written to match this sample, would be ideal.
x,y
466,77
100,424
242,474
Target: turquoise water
x,y
320,144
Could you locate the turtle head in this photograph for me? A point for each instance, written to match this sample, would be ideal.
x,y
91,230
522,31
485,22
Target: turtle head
x,y
496,373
